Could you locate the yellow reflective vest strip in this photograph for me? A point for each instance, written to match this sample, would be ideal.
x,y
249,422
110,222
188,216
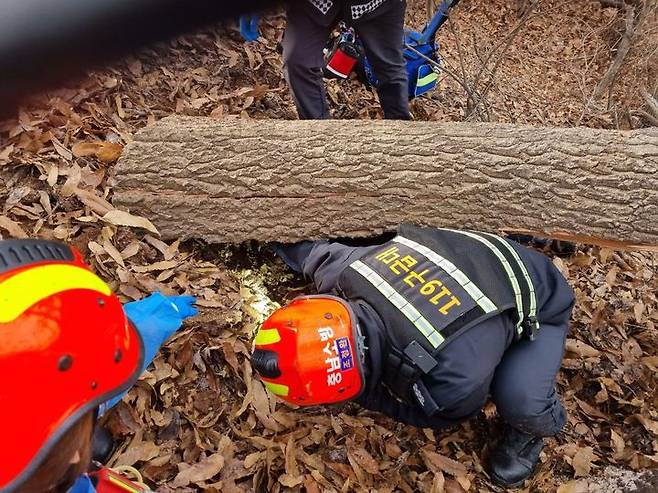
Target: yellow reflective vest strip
x,y
25,289
532,311
473,291
407,309
508,269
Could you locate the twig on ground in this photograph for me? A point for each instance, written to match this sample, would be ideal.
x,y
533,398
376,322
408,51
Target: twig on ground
x,y
506,41
646,116
651,101
462,65
624,47
503,46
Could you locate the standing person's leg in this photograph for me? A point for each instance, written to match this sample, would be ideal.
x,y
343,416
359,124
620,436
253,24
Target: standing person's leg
x,y
303,42
382,38
524,392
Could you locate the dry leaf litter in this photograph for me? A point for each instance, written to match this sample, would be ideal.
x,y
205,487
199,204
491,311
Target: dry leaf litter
x,y
198,420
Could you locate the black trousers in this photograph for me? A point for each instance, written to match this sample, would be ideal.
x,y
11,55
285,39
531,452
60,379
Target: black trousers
x,y
381,34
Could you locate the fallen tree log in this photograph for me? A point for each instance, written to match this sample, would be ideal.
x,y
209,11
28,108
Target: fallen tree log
x,y
234,180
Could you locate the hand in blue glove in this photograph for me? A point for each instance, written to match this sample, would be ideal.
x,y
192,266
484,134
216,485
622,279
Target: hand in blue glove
x,y
249,27
156,318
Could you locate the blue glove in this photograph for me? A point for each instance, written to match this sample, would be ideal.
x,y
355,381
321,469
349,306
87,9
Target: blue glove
x,y
249,27
156,318
83,485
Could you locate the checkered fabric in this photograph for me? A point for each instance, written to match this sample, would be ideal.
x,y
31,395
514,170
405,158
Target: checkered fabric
x,y
362,9
322,5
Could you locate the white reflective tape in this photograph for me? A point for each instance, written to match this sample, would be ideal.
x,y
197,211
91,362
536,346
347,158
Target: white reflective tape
x,y
526,274
508,269
462,279
397,300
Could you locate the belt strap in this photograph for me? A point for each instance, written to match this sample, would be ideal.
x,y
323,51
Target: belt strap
x,y
403,369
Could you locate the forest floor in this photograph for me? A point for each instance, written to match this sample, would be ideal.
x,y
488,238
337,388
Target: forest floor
x,y
199,420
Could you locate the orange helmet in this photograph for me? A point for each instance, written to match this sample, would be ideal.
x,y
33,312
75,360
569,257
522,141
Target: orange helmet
x,y
310,352
66,346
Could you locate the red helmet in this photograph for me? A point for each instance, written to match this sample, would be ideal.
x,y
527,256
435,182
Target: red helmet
x,y
310,352
66,346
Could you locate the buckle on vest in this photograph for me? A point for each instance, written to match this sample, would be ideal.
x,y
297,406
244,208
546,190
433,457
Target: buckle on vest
x,y
530,328
420,357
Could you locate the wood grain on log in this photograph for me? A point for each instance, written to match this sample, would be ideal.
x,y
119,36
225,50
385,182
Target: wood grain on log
x,y
234,180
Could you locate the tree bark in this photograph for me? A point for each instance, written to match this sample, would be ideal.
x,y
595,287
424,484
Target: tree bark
x,y
235,180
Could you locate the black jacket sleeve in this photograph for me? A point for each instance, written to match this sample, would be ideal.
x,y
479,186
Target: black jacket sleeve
x,y
319,261
381,400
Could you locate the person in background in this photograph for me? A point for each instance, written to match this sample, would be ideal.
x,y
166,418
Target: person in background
x,y
424,328
380,26
68,351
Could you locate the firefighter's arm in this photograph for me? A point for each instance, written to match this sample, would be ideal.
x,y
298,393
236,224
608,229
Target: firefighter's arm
x,y
156,318
380,400
319,261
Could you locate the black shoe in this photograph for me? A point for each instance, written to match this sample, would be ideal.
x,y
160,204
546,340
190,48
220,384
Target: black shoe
x,y
102,445
515,457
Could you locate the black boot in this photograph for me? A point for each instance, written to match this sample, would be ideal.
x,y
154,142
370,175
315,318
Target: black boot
x,y
102,445
515,457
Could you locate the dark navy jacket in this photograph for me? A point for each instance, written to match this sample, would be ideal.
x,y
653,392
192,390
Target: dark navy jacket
x,y
459,384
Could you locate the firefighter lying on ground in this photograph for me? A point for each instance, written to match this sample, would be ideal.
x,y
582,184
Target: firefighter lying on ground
x,y
68,352
424,327
380,26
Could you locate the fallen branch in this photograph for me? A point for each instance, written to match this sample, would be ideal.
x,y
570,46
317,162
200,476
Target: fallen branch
x,y
623,50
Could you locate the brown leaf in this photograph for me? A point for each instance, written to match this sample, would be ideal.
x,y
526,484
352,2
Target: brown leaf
x,y
123,218
61,150
201,471
638,311
582,461
85,149
591,411
113,253
311,485
452,486
617,444
140,452
253,459
12,227
363,458
438,483
581,349
6,153
290,481
651,362
96,203
109,152
71,185
440,462
649,424
574,486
